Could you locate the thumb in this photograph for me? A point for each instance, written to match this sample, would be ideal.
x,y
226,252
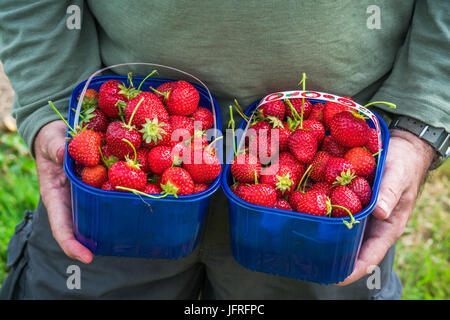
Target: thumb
x,y
56,148
391,189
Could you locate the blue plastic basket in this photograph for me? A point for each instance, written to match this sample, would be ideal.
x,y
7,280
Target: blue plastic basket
x,y
292,244
113,223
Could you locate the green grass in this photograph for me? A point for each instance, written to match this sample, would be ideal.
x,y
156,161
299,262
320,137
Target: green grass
x,y
19,189
422,259
423,252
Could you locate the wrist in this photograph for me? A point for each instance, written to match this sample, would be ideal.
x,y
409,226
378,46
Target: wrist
x,y
422,149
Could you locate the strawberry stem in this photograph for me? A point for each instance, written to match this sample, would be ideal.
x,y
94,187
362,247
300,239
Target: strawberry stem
x,y
164,94
297,118
142,82
214,141
303,99
134,112
232,124
352,219
303,178
391,105
73,132
134,149
238,108
140,192
376,153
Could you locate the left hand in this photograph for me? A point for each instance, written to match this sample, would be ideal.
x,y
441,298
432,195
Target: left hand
x,y
407,164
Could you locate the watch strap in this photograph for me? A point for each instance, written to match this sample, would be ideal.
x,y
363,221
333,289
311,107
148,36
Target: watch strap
x,y
438,138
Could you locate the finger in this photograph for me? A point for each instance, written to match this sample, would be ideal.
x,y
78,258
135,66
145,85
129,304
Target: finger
x,y
60,219
372,251
56,198
56,148
391,189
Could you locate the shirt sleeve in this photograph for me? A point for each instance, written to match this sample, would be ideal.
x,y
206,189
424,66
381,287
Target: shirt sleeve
x,y
419,81
45,55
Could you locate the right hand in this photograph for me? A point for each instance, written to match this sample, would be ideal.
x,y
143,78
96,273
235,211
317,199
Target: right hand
x,y
55,190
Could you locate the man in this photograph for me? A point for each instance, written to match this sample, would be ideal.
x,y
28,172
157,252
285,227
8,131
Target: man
x,y
243,50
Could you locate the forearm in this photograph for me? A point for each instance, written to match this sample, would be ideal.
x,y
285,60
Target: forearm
x,y
44,59
418,83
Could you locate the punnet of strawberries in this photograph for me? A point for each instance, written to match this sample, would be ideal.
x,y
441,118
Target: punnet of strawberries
x,y
317,159
149,142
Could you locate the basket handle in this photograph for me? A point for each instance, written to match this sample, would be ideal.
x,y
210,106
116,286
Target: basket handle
x,y
321,96
86,86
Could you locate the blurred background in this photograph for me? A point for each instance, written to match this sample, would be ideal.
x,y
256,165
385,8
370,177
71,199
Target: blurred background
x,y
422,254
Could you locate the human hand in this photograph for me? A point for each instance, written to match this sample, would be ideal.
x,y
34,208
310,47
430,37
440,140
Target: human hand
x,y
407,164
55,191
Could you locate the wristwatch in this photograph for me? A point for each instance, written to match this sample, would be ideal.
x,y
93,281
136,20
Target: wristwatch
x,y
438,138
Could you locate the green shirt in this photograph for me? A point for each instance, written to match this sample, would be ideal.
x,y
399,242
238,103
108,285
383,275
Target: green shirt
x,y
240,49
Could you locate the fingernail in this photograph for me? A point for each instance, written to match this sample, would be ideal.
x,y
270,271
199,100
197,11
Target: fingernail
x,y
384,208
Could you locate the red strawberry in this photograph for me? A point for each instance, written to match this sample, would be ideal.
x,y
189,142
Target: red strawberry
x,y
205,117
94,119
282,204
282,134
142,159
94,176
128,175
303,145
259,194
238,189
317,112
116,133
339,171
295,197
159,159
178,151
245,167
164,88
108,186
177,181
150,108
275,109
313,202
281,177
323,187
362,189
286,158
262,147
182,127
84,148
319,165
111,93
107,157
90,99
349,129
198,140
316,127
152,188
260,127
156,133
372,144
344,197
297,104
182,98
204,166
362,160
333,147
331,109
200,187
